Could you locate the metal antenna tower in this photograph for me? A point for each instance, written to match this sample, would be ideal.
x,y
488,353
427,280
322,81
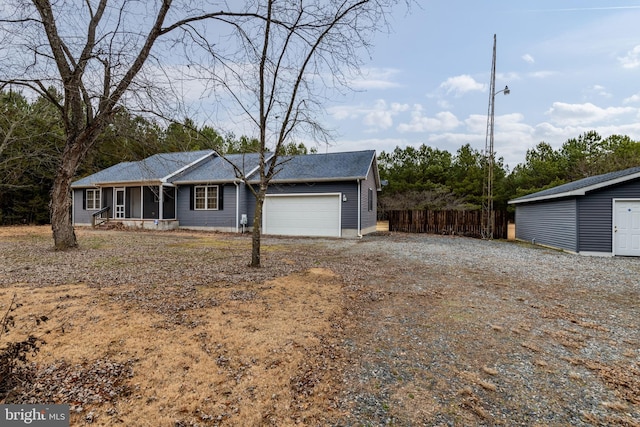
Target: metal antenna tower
x,y
487,199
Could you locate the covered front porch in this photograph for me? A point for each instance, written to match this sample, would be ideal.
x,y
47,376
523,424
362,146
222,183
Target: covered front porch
x,y
141,206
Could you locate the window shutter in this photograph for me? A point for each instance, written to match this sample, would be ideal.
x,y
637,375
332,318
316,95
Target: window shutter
x,y
84,200
220,196
192,201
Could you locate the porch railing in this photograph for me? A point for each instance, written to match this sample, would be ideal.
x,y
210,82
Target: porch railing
x,y
99,217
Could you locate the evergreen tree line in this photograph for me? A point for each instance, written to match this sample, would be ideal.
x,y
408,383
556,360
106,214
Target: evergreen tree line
x,y
429,178
32,139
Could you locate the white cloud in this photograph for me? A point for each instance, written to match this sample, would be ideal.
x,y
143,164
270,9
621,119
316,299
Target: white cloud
x,y
381,116
507,77
632,59
442,121
461,84
505,123
599,90
511,123
376,78
377,117
558,135
443,104
583,114
378,144
453,141
541,74
344,112
528,58
476,123
632,99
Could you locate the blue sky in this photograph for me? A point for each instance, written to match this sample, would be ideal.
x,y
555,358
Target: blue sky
x,y
572,66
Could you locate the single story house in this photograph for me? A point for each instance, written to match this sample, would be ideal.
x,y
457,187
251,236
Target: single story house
x,y
333,194
598,215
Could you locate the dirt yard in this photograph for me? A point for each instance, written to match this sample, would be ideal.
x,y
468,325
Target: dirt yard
x,y
173,329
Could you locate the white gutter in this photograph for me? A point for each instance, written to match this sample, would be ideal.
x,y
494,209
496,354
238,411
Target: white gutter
x,y
208,181
308,179
125,184
549,197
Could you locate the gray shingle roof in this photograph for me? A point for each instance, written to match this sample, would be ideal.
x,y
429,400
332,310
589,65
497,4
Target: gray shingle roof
x,y
152,169
582,186
173,167
326,167
217,169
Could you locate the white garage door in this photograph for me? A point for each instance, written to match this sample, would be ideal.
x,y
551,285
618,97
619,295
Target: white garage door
x,y
302,215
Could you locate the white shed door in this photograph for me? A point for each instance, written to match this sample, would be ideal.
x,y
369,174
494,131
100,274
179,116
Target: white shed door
x,y
302,215
626,230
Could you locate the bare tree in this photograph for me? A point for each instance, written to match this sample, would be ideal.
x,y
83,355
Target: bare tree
x,y
93,52
276,64
289,55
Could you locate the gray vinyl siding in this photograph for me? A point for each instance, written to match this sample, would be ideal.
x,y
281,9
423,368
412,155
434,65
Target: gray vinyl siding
x,y
349,215
244,194
595,219
248,201
548,223
224,218
369,217
80,215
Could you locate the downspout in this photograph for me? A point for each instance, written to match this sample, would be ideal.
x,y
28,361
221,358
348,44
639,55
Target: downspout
x,y
359,209
237,205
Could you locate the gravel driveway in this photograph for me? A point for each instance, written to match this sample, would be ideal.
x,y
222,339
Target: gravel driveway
x,y
422,330
457,331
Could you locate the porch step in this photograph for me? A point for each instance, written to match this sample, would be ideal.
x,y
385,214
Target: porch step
x,y
111,225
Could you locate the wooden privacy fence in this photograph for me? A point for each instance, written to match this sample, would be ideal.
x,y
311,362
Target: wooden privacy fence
x,y
462,223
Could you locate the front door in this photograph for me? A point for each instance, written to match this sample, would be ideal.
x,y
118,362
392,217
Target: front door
x,y
119,205
626,228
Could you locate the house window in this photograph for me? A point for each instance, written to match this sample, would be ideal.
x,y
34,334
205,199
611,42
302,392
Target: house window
x,y
206,197
370,199
92,200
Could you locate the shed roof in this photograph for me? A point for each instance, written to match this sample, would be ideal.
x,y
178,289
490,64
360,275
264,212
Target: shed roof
x,y
156,168
582,186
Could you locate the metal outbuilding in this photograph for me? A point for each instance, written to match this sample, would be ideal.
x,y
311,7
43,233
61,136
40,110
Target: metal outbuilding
x,y
598,215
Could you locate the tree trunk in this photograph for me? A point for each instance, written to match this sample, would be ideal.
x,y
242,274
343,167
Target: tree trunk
x,y
64,236
257,229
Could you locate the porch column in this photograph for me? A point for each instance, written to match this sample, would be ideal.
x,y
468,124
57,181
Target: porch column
x,y
161,202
